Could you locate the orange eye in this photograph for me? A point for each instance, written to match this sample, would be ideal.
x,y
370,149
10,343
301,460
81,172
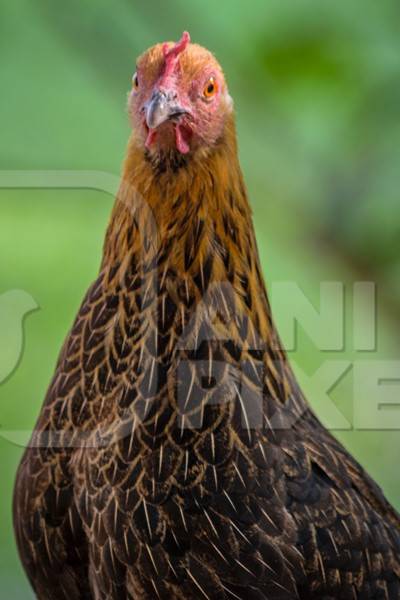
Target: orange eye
x,y
135,82
210,89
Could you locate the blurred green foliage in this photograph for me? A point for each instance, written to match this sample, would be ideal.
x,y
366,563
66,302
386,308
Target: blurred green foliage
x,y
317,94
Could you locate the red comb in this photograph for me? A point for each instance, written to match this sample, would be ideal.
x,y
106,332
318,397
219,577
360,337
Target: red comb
x,y
171,54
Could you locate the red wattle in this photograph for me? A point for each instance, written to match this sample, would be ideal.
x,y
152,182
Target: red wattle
x,y
182,143
151,136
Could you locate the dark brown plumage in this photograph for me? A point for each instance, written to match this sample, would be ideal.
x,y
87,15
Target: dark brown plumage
x,y
175,456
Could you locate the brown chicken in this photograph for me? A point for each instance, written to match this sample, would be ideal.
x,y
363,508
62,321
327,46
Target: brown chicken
x,y
175,456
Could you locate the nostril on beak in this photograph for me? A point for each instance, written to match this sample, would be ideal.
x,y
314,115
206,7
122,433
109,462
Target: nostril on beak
x,y
158,95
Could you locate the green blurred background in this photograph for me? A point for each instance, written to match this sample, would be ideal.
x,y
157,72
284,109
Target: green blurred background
x,y
317,94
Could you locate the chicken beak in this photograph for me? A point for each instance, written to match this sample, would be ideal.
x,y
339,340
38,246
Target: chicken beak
x,y
161,107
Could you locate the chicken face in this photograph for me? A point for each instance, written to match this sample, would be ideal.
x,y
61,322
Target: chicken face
x,y
179,99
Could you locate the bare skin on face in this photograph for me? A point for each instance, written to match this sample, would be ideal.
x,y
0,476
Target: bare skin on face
x,y
179,99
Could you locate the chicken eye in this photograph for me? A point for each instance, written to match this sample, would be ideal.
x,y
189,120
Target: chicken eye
x,y
210,89
135,82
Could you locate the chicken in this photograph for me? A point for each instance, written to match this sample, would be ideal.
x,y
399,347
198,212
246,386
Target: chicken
x,y
175,456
